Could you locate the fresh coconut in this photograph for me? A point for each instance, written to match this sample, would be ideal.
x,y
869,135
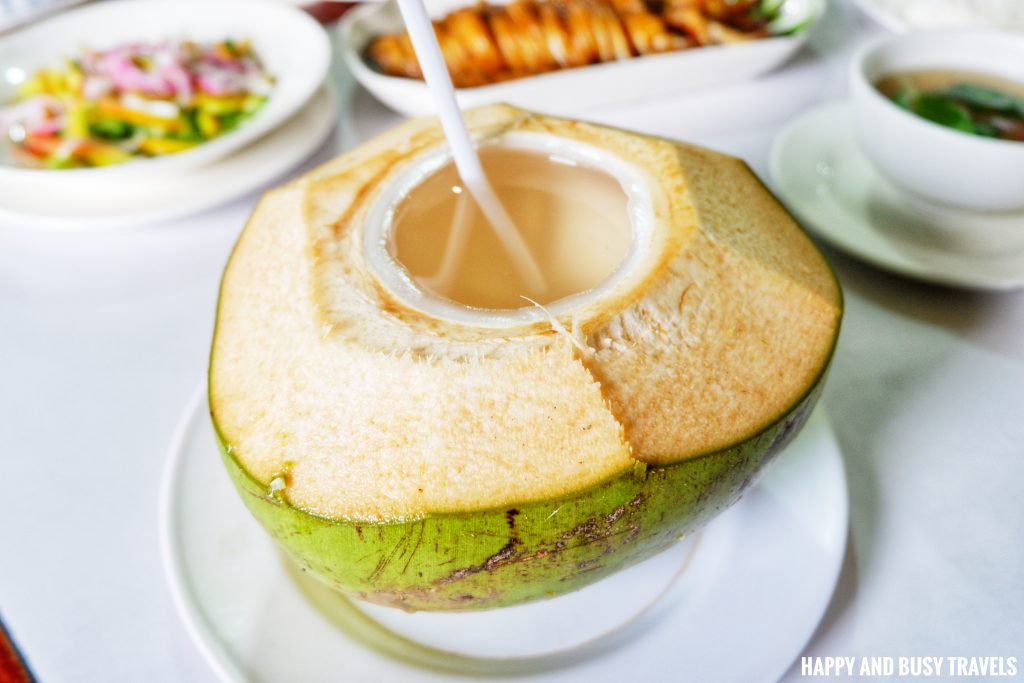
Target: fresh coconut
x,y
413,452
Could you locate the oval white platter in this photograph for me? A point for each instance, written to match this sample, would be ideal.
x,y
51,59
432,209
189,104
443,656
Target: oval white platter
x,y
293,47
739,604
583,88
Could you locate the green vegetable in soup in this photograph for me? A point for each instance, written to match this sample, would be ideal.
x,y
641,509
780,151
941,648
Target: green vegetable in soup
x,y
977,106
905,97
943,110
986,130
986,98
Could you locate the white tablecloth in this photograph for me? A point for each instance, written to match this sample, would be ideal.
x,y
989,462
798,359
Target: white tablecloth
x,y
104,337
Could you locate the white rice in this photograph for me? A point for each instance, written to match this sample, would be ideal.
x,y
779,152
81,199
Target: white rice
x,y
1005,14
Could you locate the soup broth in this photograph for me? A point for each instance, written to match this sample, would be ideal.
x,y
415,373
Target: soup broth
x,y
573,218
976,103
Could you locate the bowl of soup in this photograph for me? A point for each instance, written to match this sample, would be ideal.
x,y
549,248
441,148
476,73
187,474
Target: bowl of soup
x,y
941,115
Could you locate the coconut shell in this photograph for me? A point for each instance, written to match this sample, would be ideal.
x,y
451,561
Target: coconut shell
x,y
436,465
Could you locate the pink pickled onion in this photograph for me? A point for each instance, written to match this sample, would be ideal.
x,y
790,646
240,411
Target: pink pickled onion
x,y
40,115
126,75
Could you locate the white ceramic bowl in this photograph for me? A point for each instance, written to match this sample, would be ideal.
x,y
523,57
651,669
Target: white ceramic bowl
x,y
911,15
577,91
294,48
937,163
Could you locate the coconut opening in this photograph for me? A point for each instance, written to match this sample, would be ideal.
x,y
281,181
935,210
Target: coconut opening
x,y
584,214
571,216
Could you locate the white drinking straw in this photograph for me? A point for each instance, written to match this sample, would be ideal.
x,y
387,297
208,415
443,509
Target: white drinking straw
x,y
435,73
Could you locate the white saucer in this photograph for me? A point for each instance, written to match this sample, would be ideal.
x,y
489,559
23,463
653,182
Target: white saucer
x,y
824,178
741,608
125,203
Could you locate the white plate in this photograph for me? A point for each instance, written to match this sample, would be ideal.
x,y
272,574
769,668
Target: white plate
x,y
135,203
294,49
743,608
928,14
824,178
574,90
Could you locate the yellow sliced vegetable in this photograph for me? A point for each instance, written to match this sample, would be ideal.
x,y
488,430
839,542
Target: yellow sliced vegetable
x,y
101,154
209,125
157,146
114,109
73,79
219,105
78,120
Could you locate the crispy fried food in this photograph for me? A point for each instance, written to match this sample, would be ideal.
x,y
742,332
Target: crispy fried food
x,y
628,6
556,36
528,31
468,26
716,22
615,34
489,43
650,35
504,33
689,20
739,14
394,55
581,39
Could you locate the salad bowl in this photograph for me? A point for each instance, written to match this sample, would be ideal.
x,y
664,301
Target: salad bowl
x,y
292,49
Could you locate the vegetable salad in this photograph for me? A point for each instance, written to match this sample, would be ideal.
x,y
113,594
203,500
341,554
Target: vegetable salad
x,y
135,100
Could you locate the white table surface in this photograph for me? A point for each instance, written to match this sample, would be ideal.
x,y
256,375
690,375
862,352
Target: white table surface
x,y
104,337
